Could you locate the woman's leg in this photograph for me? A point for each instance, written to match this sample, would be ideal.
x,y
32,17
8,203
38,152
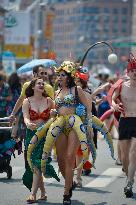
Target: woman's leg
x,y
35,184
79,159
73,145
61,147
41,186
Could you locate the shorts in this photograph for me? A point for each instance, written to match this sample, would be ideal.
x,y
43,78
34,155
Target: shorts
x,y
127,128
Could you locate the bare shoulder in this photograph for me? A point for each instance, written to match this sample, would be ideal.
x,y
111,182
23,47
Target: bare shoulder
x,y
25,103
79,89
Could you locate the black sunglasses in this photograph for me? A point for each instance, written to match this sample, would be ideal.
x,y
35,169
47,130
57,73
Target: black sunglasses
x,y
43,73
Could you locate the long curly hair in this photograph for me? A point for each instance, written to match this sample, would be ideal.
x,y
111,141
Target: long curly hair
x,y
29,90
70,81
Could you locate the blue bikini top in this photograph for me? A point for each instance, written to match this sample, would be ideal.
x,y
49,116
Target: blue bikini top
x,y
68,100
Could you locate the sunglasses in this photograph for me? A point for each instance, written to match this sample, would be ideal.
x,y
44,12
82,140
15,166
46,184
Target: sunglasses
x,y
43,73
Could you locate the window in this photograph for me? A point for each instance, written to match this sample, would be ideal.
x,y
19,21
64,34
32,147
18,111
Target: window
x,y
106,10
115,19
124,11
124,29
89,10
115,11
106,19
124,19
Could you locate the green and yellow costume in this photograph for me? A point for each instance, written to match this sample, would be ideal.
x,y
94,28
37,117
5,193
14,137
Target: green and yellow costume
x,y
64,124
34,156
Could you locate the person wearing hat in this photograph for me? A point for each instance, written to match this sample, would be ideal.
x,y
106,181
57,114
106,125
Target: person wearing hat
x,y
126,104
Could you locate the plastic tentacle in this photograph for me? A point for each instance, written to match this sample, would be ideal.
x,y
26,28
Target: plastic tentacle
x,y
41,131
99,125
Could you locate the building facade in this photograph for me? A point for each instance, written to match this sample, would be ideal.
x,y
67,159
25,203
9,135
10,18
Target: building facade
x,y
134,26
79,24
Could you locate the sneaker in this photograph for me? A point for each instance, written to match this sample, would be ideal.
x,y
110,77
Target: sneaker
x,y
118,162
128,190
87,172
78,182
66,200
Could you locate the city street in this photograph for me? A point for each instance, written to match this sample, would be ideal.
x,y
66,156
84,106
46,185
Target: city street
x,y
61,63
103,187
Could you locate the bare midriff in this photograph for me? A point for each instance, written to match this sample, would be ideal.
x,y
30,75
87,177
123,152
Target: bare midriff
x,y
66,111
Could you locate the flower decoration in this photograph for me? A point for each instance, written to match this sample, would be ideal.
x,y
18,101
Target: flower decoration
x,y
68,67
80,110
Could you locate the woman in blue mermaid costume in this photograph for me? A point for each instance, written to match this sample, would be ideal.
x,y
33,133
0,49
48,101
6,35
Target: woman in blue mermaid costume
x,y
67,131
36,111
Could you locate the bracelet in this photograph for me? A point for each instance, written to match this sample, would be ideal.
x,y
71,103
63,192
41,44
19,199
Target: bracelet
x,y
90,122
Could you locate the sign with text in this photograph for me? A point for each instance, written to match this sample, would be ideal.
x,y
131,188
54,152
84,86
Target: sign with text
x,y
17,28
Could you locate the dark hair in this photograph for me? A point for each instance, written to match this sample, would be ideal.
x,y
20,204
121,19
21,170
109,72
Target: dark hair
x,y
29,90
2,76
70,80
103,76
84,84
36,68
14,81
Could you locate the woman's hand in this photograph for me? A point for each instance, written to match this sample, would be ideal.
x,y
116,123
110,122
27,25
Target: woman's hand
x,y
53,112
31,126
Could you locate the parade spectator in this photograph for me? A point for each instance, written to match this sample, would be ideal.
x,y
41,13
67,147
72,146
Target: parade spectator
x,y
5,95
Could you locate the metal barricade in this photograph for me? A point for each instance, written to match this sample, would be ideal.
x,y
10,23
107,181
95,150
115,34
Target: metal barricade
x,y
5,124
5,157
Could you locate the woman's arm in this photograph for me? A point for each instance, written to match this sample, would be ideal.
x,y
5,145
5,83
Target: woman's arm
x,y
86,100
100,89
51,103
25,109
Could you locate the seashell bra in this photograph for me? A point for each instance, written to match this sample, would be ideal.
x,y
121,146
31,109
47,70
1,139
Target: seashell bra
x,y
34,115
68,100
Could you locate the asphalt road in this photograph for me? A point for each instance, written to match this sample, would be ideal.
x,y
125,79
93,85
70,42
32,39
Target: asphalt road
x,y
103,187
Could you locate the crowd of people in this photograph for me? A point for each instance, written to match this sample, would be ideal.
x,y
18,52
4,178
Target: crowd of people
x,y
62,113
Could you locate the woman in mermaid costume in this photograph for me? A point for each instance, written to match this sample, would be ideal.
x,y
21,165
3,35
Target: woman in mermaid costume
x,y
67,131
36,111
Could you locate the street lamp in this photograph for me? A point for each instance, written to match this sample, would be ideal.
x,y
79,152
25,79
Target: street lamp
x,y
112,58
